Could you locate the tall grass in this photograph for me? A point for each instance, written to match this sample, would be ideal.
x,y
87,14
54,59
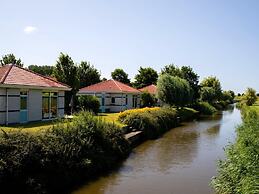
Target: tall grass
x,y
238,173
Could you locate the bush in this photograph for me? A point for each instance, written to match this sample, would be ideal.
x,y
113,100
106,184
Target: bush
x,y
205,108
238,173
52,161
148,100
89,103
155,121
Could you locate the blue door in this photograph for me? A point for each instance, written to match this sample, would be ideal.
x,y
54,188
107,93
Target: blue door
x,y
23,107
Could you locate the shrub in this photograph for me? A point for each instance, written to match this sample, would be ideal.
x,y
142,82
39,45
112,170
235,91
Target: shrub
x,y
89,103
148,100
250,96
238,173
52,161
205,108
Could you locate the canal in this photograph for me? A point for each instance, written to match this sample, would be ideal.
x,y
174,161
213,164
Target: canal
x,y
182,161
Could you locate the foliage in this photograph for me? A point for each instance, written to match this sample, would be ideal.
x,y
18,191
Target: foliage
x,y
53,161
208,94
174,90
88,75
250,96
187,73
238,173
148,100
43,70
89,103
152,121
10,59
145,77
155,121
214,84
67,72
228,97
204,108
121,76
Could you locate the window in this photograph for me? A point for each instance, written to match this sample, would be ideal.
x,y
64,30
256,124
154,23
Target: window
x,y
49,105
126,100
113,100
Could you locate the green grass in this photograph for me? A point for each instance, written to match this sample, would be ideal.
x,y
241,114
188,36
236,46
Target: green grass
x,y
111,118
255,107
30,127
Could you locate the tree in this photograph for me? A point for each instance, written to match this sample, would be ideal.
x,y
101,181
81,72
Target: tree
x,y
173,90
10,59
88,75
145,77
89,103
208,94
43,70
121,76
250,96
228,96
187,73
214,83
67,72
148,100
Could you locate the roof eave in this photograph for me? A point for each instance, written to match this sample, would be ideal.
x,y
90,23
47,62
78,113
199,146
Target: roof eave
x,y
33,87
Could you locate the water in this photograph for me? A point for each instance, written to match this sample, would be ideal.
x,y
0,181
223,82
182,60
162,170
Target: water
x,y
183,161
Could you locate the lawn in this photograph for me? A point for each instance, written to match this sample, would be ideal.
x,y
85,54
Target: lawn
x,y
30,127
111,117
255,106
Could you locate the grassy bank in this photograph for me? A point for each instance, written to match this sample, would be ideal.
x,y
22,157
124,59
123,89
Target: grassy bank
x,y
238,173
61,157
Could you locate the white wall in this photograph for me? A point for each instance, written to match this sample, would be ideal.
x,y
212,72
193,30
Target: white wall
x,y
34,105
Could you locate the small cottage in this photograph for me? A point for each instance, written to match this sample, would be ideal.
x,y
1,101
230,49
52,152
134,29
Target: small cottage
x,y
113,95
27,96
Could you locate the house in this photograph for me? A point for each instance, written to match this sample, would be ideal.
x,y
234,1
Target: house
x,y
113,95
27,96
150,89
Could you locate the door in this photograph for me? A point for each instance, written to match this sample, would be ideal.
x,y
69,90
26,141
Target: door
x,y
23,107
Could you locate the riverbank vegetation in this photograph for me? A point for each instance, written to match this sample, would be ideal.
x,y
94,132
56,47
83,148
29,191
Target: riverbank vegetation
x,y
61,157
238,173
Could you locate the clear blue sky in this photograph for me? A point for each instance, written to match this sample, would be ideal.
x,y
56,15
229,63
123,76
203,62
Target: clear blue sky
x,y
214,37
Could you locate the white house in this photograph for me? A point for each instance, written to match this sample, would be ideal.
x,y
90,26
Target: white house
x,y
113,95
27,96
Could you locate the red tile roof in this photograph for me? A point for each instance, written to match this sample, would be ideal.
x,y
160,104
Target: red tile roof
x,y
112,86
150,89
14,75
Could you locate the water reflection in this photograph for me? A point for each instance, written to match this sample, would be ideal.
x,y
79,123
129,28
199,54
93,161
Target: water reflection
x,y
181,162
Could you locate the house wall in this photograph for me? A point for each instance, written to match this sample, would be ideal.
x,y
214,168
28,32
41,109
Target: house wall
x,y
119,104
34,105
61,103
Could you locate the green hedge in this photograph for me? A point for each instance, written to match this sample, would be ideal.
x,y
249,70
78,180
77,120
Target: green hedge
x,y
204,108
52,161
238,173
155,121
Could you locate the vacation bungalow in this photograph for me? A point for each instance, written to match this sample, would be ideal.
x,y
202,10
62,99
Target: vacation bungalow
x,y
114,96
27,96
150,89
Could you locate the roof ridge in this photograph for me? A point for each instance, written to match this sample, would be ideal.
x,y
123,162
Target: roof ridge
x,y
43,76
6,73
117,85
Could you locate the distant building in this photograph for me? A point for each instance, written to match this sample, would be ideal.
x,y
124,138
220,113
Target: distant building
x,y
27,96
113,95
150,89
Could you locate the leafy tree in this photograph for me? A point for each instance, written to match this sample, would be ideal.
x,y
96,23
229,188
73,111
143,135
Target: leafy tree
x,y
214,83
148,100
88,75
227,96
121,76
145,77
250,96
43,70
173,90
89,103
67,72
187,73
208,94
10,59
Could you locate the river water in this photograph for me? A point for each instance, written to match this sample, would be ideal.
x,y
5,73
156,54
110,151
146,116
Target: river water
x,y
182,161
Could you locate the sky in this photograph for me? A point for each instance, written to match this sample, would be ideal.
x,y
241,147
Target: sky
x,y
215,37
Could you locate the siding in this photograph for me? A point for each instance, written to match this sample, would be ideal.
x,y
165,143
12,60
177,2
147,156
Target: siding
x,y
35,105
